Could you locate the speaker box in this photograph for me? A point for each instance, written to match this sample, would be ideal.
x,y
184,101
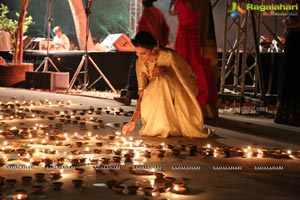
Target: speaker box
x,y
53,81
117,42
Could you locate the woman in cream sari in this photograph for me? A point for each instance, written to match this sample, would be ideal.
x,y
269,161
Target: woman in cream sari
x,y
167,103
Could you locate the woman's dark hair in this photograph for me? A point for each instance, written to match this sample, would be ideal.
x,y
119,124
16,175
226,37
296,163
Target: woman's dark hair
x,y
144,39
148,3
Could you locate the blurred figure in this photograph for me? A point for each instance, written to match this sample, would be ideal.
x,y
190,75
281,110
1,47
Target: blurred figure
x,y
196,42
5,41
288,102
62,41
153,21
265,43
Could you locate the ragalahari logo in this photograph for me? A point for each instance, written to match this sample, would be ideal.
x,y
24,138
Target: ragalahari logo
x,y
236,10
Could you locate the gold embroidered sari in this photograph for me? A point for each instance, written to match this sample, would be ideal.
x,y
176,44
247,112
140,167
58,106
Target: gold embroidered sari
x,y
169,106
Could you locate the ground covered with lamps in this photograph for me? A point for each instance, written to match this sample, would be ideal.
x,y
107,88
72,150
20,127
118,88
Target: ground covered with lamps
x,y
62,146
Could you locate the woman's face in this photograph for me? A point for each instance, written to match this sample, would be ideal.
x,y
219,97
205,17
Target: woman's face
x,y
143,53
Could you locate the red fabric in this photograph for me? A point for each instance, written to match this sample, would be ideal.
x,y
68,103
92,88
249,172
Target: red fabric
x,y
153,21
188,45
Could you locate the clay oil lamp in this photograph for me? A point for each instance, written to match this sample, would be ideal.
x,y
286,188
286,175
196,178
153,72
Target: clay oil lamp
x,y
82,123
193,150
105,161
25,135
118,188
26,180
108,151
9,135
99,144
87,150
79,170
161,153
159,176
99,137
111,137
99,169
95,126
128,159
79,144
57,185
55,174
2,162
77,183
20,196
14,130
97,151
88,136
77,118
47,162
148,191
51,117
132,189
35,162
111,183
117,159
11,182
74,162
118,151
40,177
169,180
132,170
178,187
147,154
58,143
37,189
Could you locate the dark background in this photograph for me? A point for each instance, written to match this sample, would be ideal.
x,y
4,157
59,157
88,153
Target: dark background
x,y
112,16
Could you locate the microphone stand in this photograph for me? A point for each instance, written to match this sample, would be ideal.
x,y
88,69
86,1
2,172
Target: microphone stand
x,y
47,59
86,58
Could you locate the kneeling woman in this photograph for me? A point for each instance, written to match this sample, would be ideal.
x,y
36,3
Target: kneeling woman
x,y
167,101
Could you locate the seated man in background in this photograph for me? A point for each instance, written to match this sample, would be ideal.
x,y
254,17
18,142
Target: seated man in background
x,y
62,41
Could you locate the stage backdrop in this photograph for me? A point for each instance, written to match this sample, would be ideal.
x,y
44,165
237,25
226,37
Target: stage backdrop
x,y
112,16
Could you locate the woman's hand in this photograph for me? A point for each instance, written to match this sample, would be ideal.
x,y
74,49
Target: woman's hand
x,y
128,128
157,70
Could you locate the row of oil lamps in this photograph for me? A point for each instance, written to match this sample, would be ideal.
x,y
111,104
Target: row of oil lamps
x,y
151,187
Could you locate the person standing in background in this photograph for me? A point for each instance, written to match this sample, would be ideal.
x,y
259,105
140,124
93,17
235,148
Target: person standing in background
x,y
62,41
5,41
154,22
196,42
288,100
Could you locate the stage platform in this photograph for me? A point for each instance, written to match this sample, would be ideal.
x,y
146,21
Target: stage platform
x,y
114,65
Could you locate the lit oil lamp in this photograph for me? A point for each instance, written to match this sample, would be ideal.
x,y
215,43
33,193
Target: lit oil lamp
x,y
178,189
55,174
20,196
248,152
